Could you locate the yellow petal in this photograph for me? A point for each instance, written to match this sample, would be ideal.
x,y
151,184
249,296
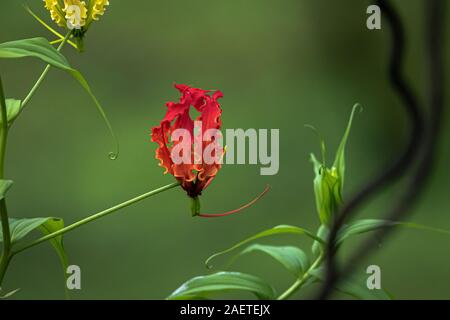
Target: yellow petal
x,y
55,12
98,8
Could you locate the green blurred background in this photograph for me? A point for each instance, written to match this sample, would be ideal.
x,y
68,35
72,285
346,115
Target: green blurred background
x,y
280,64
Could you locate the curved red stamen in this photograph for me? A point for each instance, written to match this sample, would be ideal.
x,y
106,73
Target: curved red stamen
x,y
207,215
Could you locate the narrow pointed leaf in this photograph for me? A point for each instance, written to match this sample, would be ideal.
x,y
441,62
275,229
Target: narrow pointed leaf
x,y
282,229
339,162
368,225
20,228
8,294
205,286
360,227
40,48
292,258
35,47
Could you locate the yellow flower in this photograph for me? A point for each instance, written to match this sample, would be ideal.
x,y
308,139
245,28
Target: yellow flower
x,y
76,14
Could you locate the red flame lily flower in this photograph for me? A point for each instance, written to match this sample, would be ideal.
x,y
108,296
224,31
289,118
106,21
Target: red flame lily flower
x,y
194,177
197,175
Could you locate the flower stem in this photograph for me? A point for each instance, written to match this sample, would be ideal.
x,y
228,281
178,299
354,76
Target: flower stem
x,y
95,217
6,254
301,281
44,73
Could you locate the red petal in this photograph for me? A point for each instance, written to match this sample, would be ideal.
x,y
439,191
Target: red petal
x,y
162,153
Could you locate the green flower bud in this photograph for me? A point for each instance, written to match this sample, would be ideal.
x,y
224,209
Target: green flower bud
x,y
329,182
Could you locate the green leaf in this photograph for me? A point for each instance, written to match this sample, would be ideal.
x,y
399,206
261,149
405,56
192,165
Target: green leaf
x,y
368,225
40,48
361,226
339,161
354,286
13,108
282,229
9,294
36,47
51,226
4,187
292,258
204,286
20,228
